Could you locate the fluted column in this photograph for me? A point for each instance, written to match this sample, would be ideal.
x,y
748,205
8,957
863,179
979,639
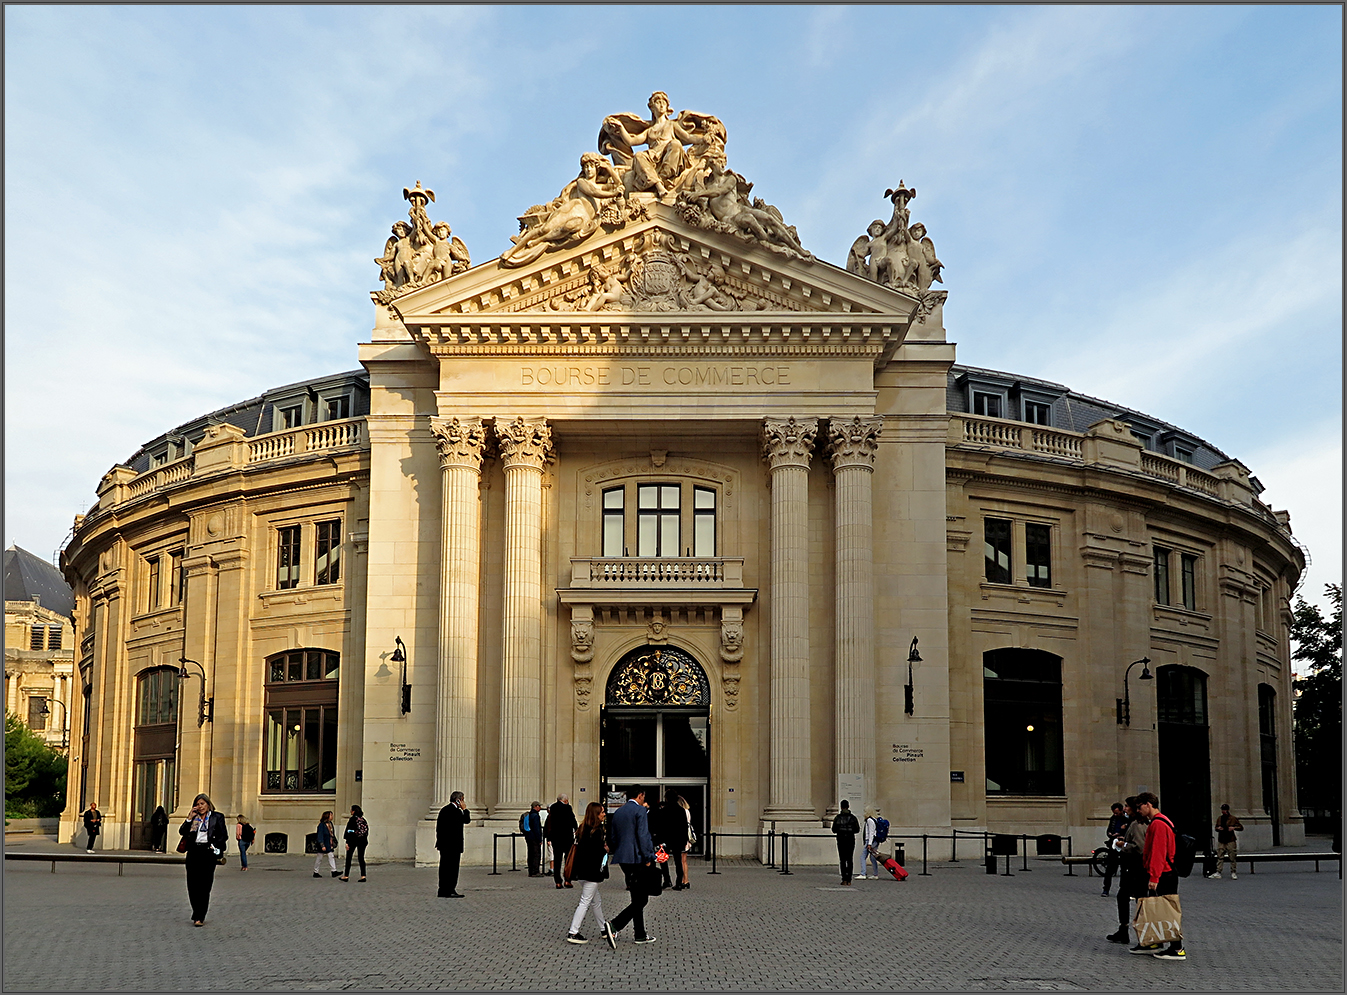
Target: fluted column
x,y
460,443
851,448
525,445
787,446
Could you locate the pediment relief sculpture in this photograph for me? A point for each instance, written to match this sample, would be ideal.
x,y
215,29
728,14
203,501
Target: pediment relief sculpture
x,y
896,254
677,161
420,253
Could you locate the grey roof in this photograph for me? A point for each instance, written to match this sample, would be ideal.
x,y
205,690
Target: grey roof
x,y
31,578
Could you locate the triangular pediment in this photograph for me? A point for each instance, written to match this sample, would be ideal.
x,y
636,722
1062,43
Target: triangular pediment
x,y
657,267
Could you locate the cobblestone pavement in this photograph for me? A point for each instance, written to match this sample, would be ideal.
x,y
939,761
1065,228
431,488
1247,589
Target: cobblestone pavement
x,y
275,928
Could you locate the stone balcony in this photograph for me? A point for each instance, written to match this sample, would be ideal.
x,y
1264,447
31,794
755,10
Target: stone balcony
x,y
655,582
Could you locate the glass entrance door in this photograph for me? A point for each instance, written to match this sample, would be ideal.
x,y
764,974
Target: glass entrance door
x,y
667,750
153,787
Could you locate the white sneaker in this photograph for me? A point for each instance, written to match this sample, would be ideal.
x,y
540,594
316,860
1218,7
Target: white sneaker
x,y
88,851
860,877
1234,876
1214,877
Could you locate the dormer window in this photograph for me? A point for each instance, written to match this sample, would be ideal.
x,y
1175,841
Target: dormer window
x,y
987,404
1036,413
335,408
291,416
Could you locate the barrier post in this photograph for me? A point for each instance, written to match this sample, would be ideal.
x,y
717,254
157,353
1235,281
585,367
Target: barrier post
x,y
514,860
1070,868
1024,842
713,855
785,853
924,872
771,846
954,846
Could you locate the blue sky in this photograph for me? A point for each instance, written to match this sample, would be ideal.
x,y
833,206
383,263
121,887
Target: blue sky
x,y
1143,203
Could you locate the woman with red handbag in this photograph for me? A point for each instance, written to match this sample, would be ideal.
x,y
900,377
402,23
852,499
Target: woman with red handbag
x,y
588,863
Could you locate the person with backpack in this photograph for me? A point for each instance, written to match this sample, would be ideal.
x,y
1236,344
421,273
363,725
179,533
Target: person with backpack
x,y
357,838
531,826
876,832
1227,826
1158,859
846,826
244,834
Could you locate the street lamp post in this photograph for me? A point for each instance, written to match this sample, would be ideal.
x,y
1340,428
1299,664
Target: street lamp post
x,y
1125,702
65,721
206,707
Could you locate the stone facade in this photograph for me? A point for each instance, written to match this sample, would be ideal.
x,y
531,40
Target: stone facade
x,y
658,366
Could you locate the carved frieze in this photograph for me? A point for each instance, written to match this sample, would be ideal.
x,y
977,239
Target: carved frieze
x,y
788,441
460,441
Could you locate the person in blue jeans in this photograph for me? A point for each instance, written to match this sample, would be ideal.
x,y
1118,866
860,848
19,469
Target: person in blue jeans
x,y
244,833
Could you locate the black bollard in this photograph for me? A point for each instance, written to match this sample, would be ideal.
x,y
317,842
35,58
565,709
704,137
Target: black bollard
x,y
514,862
495,838
712,845
1070,868
954,846
1024,842
785,853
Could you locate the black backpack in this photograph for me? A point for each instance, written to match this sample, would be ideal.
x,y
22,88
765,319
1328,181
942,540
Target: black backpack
x,y
1185,851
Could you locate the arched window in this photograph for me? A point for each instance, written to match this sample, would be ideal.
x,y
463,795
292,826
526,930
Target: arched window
x,y
1184,748
1267,744
157,696
154,750
301,721
1022,709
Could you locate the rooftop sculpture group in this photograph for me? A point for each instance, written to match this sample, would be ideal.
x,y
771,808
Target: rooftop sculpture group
x,y
420,253
895,254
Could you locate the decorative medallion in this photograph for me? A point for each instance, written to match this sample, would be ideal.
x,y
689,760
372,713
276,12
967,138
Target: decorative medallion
x,y
658,675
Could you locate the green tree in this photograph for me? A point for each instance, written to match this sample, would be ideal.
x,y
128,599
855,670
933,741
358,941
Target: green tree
x,y
35,774
1318,707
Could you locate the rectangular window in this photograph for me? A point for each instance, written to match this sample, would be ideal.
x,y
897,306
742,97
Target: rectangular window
x,y
37,638
158,697
153,601
614,524
703,521
1037,414
302,748
327,558
1038,553
160,459
37,717
988,405
996,548
1188,566
657,520
1161,576
177,581
287,557
53,637
1186,455
293,416
339,407
1143,438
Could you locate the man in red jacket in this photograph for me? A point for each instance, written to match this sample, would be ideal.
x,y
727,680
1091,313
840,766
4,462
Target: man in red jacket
x,y
1157,860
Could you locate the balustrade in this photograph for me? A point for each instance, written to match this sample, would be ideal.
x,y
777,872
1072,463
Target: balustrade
x,y
696,571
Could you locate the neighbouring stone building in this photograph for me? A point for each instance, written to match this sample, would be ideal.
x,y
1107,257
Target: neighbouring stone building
x,y
39,645
658,496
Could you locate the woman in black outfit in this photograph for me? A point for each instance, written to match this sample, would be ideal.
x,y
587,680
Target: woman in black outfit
x,y
674,824
590,867
357,838
159,830
206,838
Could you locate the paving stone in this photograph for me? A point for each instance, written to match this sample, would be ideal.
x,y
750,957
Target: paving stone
x,y
276,928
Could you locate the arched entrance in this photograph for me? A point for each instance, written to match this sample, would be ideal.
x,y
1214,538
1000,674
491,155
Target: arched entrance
x,y
655,729
1185,751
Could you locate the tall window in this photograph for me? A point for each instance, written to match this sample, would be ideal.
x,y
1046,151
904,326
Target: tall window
x,y
614,524
1161,576
301,721
657,511
987,404
152,602
1038,554
177,580
287,557
996,548
327,556
53,637
1022,708
703,521
158,697
1188,568
1267,743
37,713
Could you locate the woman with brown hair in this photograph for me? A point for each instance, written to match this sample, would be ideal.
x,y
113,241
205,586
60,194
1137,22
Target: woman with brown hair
x,y
327,845
688,845
589,866
204,840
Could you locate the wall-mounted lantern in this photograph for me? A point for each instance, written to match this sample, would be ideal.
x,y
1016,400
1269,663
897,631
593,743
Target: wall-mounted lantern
x,y
1125,702
912,657
400,656
205,711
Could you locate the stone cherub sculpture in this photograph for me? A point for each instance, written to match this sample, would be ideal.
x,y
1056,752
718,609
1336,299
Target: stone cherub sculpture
x,y
420,253
664,166
895,254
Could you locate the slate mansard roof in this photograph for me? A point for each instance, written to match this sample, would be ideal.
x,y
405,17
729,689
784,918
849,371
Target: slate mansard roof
x,y
31,578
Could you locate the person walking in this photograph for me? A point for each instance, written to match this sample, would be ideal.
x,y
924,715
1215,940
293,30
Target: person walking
x,y
560,831
244,833
206,838
159,830
327,845
846,827
1157,857
1117,826
1227,826
869,842
93,825
449,841
357,838
634,851
1131,875
590,868
666,822
688,843
531,827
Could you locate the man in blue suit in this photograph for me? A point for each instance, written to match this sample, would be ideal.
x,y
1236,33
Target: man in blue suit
x,y
629,837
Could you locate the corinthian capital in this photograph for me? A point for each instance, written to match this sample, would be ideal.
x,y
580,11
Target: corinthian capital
x,y
788,442
460,441
853,442
524,442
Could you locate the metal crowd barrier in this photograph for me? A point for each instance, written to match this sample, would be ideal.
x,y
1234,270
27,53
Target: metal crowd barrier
x,y
99,858
514,857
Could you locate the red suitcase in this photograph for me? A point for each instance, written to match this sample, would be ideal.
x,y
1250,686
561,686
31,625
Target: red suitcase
x,y
896,869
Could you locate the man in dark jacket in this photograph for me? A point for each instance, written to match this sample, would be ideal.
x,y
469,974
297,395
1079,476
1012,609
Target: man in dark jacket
x,y
531,825
561,826
93,823
449,841
633,850
846,827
